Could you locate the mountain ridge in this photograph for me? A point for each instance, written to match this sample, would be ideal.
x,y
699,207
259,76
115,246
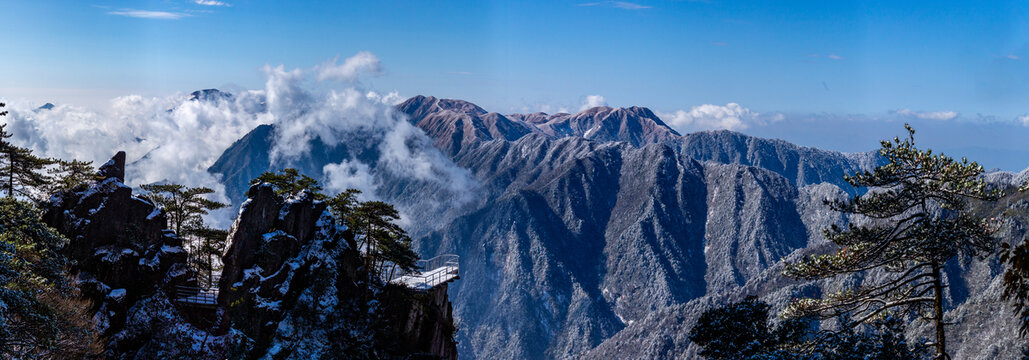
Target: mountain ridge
x,y
588,247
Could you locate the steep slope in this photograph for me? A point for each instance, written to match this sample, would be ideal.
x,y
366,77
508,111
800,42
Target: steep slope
x,y
801,165
585,238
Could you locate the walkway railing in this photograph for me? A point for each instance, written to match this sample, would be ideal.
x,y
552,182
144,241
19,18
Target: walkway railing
x,y
431,273
198,296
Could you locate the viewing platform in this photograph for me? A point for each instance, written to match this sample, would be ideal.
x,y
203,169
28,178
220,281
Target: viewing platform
x,y
431,273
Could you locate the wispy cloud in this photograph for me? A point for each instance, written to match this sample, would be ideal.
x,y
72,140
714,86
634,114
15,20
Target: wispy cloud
x,y
363,63
1023,119
830,56
618,4
211,3
927,115
592,101
148,14
1013,57
719,43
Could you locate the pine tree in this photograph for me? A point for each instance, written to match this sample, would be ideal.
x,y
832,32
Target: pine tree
x,y
1016,279
917,218
382,240
741,331
69,174
291,182
41,315
184,205
212,244
185,208
21,172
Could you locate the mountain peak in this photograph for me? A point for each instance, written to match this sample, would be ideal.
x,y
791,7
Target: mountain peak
x,y
420,106
209,95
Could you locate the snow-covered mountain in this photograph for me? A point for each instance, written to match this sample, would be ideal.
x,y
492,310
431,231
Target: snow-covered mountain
x,y
604,234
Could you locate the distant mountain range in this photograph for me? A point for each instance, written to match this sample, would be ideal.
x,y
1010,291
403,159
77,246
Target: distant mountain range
x,y
604,234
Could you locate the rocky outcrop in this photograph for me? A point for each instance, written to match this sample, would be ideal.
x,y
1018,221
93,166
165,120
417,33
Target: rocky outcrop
x,y
128,265
294,285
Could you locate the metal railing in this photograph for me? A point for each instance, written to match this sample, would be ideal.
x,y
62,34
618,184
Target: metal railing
x,y
198,296
431,272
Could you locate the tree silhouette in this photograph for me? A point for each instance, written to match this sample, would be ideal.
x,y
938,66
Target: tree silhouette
x,y
291,182
185,208
69,174
916,217
741,331
21,172
383,242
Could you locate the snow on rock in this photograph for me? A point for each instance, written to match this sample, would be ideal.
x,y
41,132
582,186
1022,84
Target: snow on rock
x,y
123,257
299,289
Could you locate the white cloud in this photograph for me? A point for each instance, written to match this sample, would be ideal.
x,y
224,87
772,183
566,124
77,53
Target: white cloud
x,y
148,14
166,138
834,57
174,139
629,5
361,119
1013,57
363,62
211,3
927,115
1023,119
592,101
391,98
618,4
732,116
350,174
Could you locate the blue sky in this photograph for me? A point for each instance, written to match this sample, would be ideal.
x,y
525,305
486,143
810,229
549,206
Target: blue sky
x,y
947,64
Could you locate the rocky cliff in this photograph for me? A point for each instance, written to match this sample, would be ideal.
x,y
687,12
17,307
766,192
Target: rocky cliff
x,y
129,265
293,287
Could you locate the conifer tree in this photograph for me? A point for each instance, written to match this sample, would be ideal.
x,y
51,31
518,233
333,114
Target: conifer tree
x,y
69,174
1016,283
41,315
184,205
914,218
185,208
379,237
741,331
21,172
212,244
290,182
383,240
